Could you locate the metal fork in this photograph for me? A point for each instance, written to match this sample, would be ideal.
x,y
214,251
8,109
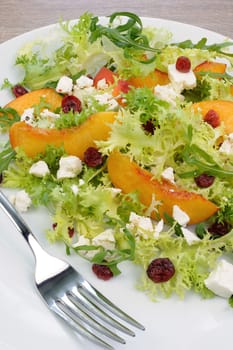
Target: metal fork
x,y
69,295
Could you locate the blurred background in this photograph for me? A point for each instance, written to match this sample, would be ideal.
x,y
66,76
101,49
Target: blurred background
x,y
17,17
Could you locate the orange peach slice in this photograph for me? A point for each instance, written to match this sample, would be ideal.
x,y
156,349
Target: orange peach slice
x,y
34,97
214,67
155,78
75,140
128,176
222,107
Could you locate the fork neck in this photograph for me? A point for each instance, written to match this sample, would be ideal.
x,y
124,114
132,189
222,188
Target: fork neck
x,y
20,224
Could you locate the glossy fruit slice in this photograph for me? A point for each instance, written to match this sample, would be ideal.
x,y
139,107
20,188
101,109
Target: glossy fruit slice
x,y
222,107
128,176
75,140
34,97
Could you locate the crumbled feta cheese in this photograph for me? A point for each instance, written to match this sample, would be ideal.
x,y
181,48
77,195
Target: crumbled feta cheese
x,y
158,228
105,239
28,116
81,182
180,216
75,189
142,222
181,80
102,84
168,93
21,201
46,113
220,280
84,82
64,85
39,169
227,145
189,236
168,174
82,240
69,167
107,99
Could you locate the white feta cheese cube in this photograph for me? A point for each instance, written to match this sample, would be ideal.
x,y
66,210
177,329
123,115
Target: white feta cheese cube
x,y
28,116
220,280
107,99
180,216
21,201
142,222
158,228
81,182
168,93
39,169
84,82
69,167
168,174
102,84
75,189
82,240
64,85
189,236
227,145
105,239
181,80
46,113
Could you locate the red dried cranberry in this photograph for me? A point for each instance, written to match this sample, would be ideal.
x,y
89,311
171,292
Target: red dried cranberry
x,y
71,103
92,157
1,178
19,90
70,231
149,127
212,118
54,225
160,270
183,64
102,271
204,180
219,228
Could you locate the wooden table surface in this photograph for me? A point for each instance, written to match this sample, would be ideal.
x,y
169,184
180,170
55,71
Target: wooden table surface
x,y
17,17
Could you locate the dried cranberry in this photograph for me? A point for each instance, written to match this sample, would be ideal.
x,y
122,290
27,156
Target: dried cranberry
x,y
212,118
183,64
102,271
204,180
92,157
219,228
70,231
54,225
149,127
71,103
1,178
19,90
160,270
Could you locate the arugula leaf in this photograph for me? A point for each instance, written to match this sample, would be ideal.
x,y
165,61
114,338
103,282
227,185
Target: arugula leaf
x,y
127,36
6,156
8,116
201,45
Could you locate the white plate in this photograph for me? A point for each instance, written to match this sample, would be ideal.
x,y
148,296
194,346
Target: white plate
x,y
26,323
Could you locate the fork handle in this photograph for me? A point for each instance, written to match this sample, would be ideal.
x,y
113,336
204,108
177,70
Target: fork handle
x,y
21,226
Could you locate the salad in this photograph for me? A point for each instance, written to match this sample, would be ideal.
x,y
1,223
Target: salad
x,y
127,138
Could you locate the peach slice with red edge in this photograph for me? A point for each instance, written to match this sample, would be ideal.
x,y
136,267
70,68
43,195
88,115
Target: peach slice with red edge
x,y
128,176
75,140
